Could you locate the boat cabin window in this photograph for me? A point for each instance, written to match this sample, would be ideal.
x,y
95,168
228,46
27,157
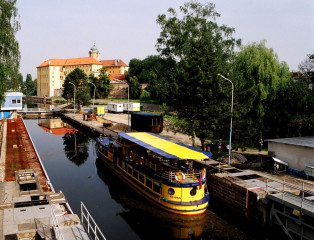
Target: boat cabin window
x,y
120,161
130,168
142,177
171,191
157,187
149,182
135,173
193,191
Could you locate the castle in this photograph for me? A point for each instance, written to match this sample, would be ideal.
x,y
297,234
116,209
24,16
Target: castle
x,y
52,72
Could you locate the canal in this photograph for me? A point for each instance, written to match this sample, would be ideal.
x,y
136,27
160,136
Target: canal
x,y
70,160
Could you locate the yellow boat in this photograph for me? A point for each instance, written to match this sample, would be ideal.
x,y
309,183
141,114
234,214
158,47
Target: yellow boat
x,y
159,169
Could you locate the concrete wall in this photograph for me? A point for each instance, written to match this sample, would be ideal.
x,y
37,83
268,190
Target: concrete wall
x,y
296,156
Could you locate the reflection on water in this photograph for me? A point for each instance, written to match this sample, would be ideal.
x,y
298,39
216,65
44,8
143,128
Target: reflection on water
x,y
149,222
70,161
56,126
35,106
76,147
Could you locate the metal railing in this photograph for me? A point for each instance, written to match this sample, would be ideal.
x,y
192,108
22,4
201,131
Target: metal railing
x,y
56,226
90,225
190,176
285,192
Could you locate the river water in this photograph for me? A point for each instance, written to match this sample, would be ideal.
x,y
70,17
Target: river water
x,y
70,160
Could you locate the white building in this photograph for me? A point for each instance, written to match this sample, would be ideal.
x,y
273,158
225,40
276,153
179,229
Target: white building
x,y
12,103
298,152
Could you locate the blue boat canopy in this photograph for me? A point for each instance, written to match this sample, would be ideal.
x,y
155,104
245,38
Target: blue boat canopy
x,y
165,147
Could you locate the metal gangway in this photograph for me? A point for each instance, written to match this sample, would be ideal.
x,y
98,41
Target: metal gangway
x,y
292,208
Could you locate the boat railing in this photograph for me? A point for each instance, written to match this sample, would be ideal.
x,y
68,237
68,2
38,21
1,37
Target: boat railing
x,y
190,176
148,163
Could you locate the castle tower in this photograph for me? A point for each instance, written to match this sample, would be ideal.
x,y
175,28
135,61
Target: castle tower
x,y
93,52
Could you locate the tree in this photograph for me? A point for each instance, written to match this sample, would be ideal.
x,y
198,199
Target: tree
x,y
157,72
79,79
306,67
135,69
9,47
257,75
134,87
102,83
20,86
290,113
30,86
201,49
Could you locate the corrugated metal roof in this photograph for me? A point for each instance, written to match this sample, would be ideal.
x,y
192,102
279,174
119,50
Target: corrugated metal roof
x,y
298,141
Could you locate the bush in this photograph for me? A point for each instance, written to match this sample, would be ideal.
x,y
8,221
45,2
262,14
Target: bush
x,y
145,95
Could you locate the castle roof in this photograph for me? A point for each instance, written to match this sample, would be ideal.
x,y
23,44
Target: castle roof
x,y
94,49
113,76
70,62
113,63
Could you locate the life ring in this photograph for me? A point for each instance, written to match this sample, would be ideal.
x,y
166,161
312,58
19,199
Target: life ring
x,y
180,177
203,174
142,160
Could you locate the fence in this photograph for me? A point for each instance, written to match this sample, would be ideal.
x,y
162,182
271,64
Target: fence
x,y
90,225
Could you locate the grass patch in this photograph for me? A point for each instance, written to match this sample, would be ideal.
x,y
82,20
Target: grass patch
x,y
59,101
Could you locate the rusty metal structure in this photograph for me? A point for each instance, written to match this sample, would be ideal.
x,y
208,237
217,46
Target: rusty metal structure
x,y
21,154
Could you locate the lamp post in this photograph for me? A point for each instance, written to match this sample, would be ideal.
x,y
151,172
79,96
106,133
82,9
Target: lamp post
x,y
74,95
93,101
229,156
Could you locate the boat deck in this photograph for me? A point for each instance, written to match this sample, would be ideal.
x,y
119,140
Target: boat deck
x,y
21,154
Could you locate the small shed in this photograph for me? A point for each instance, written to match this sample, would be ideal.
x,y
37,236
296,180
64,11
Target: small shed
x,y
147,122
115,107
297,152
12,103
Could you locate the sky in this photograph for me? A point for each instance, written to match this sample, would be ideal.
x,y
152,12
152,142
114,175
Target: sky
x,y
127,29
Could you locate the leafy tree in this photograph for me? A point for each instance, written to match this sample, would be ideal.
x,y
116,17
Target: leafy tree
x,y
290,113
145,95
9,47
102,83
30,86
134,87
201,49
79,79
307,68
157,72
20,86
257,75
135,69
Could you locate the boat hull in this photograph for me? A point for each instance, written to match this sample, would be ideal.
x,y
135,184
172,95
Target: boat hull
x,y
169,205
